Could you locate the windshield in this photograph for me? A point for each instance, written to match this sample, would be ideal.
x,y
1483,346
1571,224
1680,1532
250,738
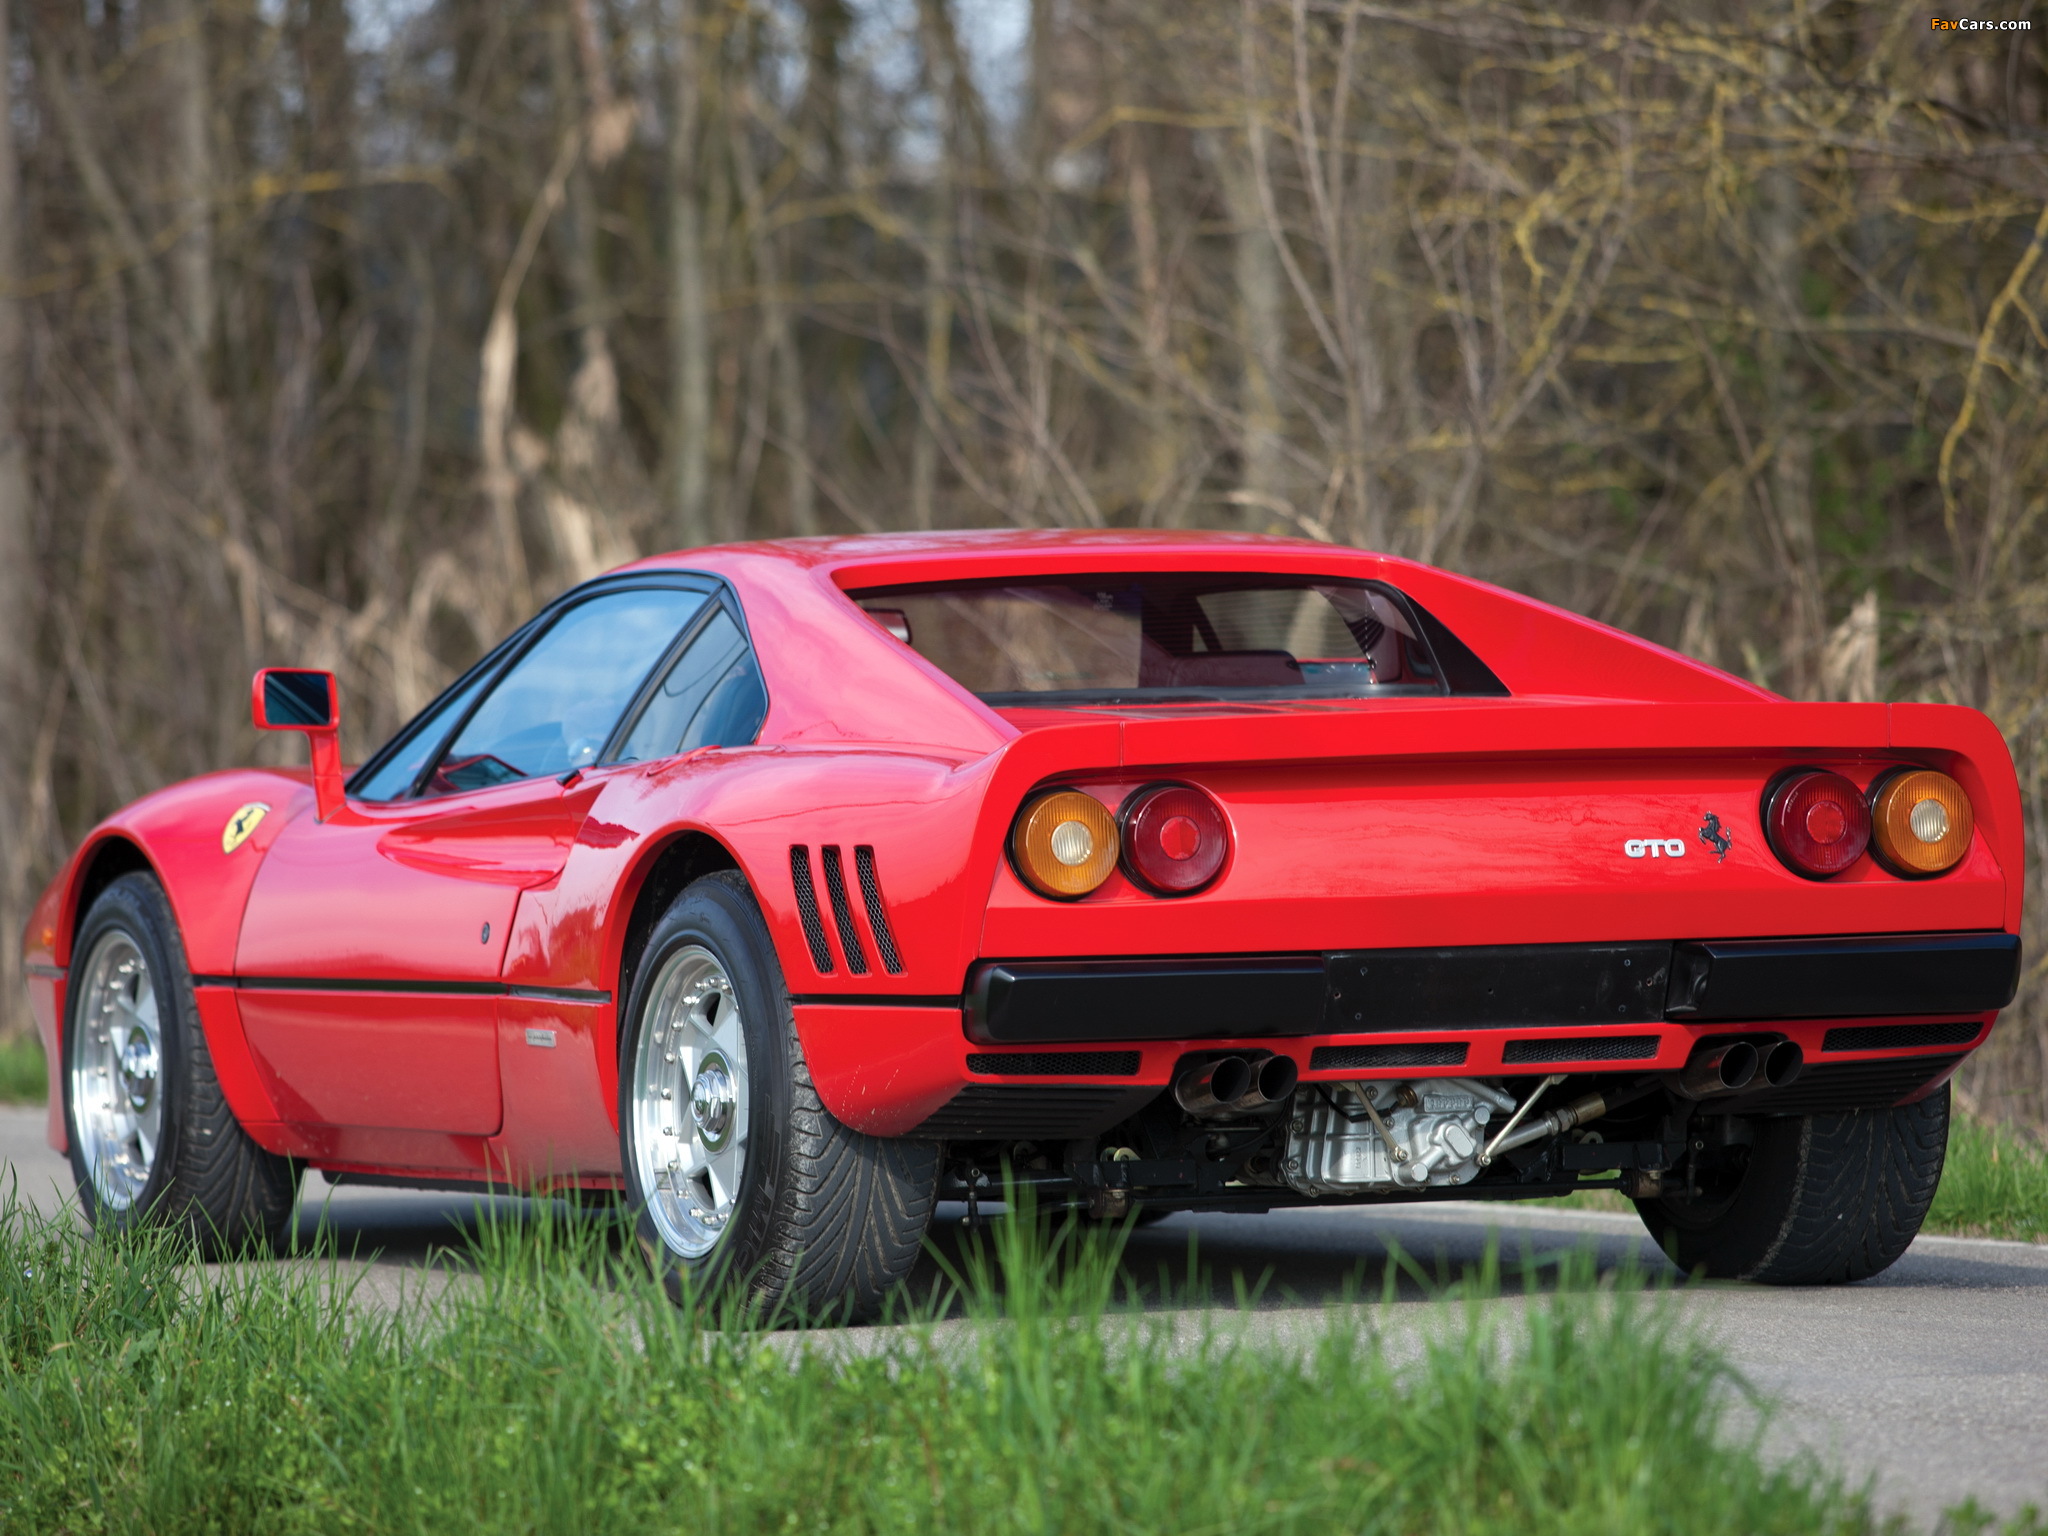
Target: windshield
x,y
1163,638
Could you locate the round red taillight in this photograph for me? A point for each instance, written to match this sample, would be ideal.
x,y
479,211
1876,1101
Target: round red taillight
x,y
1817,823
1174,838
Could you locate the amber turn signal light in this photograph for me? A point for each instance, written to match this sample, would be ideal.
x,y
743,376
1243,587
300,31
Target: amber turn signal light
x,y
1920,822
1064,844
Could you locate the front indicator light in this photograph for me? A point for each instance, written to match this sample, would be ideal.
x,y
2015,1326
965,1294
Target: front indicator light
x,y
1175,839
1064,844
1816,823
1920,822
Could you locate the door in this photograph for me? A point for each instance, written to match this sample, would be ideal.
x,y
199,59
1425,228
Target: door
x,y
372,948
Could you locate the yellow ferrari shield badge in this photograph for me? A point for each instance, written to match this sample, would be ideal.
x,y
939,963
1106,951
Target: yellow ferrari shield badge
x,y
241,824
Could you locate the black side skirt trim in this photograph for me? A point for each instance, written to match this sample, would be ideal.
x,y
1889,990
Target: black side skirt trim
x,y
878,999
413,988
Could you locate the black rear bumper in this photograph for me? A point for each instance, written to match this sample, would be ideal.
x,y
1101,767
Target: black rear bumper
x,y
1017,1002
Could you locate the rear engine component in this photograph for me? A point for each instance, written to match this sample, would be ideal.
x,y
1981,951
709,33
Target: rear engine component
x,y
1717,1067
1335,1148
1579,1112
1920,822
1174,839
1064,844
1816,822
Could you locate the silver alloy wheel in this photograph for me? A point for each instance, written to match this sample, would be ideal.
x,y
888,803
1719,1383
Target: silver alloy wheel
x,y
689,1102
117,1100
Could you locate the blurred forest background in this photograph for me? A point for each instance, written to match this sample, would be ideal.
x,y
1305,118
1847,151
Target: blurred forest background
x,y
339,332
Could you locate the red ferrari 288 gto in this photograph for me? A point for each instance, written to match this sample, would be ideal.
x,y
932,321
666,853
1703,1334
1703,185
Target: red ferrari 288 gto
x,y
787,889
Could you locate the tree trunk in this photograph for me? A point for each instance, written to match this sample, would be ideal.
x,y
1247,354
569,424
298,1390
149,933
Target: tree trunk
x,y
688,309
191,167
17,567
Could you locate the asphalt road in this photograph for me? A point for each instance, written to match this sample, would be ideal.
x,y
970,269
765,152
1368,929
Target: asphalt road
x,y
1931,1379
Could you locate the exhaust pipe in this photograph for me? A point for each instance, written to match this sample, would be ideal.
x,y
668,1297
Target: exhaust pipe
x,y
1781,1065
1272,1079
1235,1085
1209,1088
1717,1069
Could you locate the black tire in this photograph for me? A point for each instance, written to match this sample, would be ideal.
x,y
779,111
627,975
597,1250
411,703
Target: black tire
x,y
206,1177
1825,1199
826,1221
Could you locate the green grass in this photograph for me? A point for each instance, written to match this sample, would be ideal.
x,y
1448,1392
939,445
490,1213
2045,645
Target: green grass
x,y
22,1076
559,1391
1995,1184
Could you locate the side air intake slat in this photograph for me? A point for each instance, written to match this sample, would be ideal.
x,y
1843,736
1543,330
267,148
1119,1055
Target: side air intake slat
x,y
807,907
842,911
878,915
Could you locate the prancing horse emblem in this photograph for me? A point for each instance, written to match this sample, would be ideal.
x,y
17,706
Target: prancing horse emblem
x,y
1715,836
241,824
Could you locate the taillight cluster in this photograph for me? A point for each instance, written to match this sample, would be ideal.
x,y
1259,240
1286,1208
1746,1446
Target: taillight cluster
x,y
1170,839
1915,821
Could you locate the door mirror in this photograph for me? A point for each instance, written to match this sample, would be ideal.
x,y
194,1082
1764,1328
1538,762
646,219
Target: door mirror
x,y
295,699
288,699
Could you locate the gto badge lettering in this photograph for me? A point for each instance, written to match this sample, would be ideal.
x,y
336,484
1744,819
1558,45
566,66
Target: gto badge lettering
x,y
241,824
1654,848
1716,837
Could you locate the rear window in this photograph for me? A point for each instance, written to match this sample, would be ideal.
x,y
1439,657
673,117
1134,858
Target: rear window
x,y
1165,638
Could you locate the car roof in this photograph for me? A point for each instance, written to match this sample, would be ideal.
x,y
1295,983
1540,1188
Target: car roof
x,y
886,555
835,676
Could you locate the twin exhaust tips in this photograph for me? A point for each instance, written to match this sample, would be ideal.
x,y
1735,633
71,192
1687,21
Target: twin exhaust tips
x,y
1235,1085
1729,1066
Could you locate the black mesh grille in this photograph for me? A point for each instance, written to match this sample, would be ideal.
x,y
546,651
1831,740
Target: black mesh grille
x,y
990,1112
1438,1053
807,908
1852,1085
1583,1048
842,911
878,915
1899,1037
1055,1063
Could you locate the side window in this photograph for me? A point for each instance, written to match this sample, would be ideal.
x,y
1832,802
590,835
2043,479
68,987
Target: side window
x,y
422,739
554,707
712,697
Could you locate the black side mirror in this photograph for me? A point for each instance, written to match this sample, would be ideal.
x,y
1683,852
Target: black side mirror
x,y
289,699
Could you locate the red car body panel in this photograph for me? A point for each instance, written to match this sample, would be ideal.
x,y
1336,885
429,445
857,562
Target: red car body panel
x,y
432,987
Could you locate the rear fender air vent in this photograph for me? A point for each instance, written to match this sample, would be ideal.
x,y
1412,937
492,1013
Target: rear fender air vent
x,y
842,911
1900,1037
1583,1048
1054,1063
878,915
1433,1053
807,907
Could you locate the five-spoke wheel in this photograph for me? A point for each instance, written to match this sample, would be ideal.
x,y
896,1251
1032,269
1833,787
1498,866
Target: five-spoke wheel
x,y
117,1071
690,1101
739,1175
152,1137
